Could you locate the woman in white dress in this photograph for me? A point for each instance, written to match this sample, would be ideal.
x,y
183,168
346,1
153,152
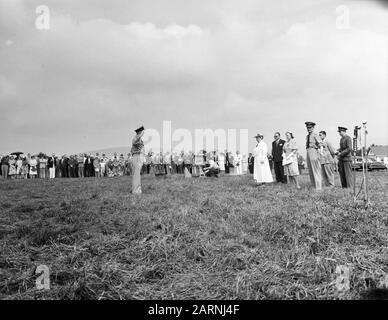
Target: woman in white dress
x,y
261,170
290,159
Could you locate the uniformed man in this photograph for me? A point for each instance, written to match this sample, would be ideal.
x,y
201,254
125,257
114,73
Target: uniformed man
x,y
344,155
312,159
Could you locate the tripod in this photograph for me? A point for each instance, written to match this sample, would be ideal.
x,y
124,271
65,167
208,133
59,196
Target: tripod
x,y
364,156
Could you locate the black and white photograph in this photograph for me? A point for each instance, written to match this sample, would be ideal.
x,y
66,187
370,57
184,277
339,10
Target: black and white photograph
x,y
173,151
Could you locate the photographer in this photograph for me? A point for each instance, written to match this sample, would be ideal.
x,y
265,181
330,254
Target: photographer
x,y
212,169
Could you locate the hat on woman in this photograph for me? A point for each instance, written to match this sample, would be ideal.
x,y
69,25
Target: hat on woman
x,y
259,136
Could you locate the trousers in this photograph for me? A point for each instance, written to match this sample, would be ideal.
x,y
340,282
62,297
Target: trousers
x,y
314,168
328,174
52,173
346,174
279,172
137,162
4,171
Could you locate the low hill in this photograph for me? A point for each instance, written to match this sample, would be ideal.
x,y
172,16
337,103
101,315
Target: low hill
x,y
111,151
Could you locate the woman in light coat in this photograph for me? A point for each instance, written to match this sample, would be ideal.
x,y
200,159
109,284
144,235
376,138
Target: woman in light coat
x,y
261,170
290,159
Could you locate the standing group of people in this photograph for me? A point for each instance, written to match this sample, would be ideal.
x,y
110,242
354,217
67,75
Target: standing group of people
x,y
74,166
19,167
284,159
321,154
88,165
320,159
177,162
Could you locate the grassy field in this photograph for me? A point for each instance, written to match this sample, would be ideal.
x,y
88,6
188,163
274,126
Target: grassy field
x,y
203,238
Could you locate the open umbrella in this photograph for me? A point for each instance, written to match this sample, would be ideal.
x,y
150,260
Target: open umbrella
x,y
16,153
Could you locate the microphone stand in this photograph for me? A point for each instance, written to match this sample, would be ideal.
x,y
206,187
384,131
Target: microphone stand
x,y
364,156
355,137
365,171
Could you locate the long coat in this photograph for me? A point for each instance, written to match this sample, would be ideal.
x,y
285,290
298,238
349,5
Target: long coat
x,y
261,171
345,150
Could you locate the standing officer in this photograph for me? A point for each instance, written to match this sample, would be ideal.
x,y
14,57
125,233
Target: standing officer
x,y
137,152
312,158
344,155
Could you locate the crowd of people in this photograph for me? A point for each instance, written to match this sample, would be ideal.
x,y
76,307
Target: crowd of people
x,y
20,166
322,160
284,159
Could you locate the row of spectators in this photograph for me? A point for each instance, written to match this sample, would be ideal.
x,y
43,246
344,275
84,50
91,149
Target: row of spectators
x,y
20,166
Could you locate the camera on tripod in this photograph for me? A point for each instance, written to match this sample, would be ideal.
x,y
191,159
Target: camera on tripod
x,y
364,158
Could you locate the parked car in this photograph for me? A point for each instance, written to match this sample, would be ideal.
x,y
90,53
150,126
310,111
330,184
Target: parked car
x,y
372,164
377,165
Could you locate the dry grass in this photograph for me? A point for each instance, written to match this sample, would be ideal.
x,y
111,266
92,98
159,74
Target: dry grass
x,y
189,239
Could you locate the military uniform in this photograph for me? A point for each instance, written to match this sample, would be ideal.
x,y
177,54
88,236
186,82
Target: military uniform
x,y
313,159
345,160
137,152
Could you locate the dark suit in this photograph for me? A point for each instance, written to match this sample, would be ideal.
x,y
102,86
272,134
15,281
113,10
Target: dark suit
x,y
89,167
64,169
73,164
227,163
345,162
58,170
87,164
250,164
277,158
50,162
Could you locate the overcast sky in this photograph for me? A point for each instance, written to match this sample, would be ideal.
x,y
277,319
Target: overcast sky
x,y
104,67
